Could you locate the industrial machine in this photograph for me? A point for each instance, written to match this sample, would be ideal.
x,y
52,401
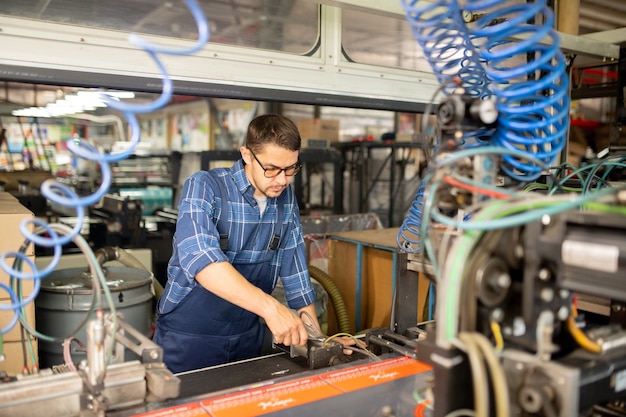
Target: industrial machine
x,y
509,266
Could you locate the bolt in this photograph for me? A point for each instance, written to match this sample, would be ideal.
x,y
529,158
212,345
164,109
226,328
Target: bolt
x,y
154,354
544,274
518,251
545,220
504,280
563,293
497,315
547,294
519,327
387,411
563,313
507,331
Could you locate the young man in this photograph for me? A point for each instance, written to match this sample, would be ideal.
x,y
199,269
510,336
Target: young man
x,y
238,232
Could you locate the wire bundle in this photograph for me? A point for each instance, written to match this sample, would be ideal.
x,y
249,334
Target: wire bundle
x,y
531,98
58,235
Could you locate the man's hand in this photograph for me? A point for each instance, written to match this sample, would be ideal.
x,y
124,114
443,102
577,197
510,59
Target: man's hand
x,y
286,327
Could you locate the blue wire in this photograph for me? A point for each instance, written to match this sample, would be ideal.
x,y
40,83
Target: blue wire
x,y
65,196
532,126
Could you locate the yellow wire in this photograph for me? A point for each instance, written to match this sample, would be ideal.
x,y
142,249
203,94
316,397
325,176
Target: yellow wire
x,y
579,336
356,341
497,335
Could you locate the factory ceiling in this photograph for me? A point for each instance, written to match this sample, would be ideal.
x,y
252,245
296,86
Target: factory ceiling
x,y
282,25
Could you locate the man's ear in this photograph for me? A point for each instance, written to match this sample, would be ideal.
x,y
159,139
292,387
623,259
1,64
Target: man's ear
x,y
245,154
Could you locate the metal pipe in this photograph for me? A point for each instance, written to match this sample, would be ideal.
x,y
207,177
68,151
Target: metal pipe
x,y
568,17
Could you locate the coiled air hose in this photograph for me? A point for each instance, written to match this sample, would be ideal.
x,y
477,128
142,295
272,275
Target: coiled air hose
x,y
335,297
531,95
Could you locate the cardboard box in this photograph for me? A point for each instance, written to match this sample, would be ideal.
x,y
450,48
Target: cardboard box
x,y
13,362
27,284
318,133
12,213
15,334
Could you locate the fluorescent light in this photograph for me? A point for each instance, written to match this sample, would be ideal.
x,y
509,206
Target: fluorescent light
x,y
74,103
113,94
31,112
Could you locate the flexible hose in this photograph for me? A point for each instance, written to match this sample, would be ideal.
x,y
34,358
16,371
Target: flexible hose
x,y
114,253
440,31
335,297
63,195
531,98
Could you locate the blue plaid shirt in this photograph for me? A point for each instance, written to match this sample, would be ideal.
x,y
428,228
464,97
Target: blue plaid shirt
x,y
196,242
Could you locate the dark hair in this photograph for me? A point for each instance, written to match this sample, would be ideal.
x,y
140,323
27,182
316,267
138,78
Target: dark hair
x,y
272,128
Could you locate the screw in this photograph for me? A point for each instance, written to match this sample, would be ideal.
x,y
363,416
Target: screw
x,y
504,280
497,315
547,294
544,274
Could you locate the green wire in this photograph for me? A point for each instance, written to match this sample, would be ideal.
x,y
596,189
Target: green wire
x,y
473,235
606,208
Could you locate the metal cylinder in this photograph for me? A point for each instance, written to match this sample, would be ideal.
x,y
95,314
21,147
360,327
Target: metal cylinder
x,y
65,299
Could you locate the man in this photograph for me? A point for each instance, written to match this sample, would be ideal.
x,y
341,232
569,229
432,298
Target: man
x,y
238,232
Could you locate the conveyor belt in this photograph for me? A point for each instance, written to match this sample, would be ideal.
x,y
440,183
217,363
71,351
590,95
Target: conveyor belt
x,y
395,385
241,373
211,381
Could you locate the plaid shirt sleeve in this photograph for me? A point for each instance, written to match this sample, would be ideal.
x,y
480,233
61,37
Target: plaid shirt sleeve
x,y
196,241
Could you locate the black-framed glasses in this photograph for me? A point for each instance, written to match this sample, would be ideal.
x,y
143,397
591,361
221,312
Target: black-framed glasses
x,y
274,172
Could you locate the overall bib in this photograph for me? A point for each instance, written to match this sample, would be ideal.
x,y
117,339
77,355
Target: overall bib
x,y
206,330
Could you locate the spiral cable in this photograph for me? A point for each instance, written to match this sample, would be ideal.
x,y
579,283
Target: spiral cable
x,y
63,195
533,113
440,31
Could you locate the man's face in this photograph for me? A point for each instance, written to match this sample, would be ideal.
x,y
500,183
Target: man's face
x,y
266,160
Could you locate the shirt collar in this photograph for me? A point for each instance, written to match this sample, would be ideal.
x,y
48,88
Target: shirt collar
x,y
241,179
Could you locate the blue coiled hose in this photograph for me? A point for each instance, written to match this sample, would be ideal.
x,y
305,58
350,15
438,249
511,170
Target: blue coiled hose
x,y
533,111
63,195
440,31
532,98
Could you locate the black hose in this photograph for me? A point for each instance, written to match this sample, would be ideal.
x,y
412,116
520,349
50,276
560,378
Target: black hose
x,y
335,297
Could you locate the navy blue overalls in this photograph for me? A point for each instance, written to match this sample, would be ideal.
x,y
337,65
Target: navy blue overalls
x,y
206,330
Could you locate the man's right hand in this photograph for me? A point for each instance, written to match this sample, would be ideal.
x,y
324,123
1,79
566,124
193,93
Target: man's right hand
x,y
286,327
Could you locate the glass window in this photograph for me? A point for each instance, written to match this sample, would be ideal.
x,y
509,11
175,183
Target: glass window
x,y
380,40
281,25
